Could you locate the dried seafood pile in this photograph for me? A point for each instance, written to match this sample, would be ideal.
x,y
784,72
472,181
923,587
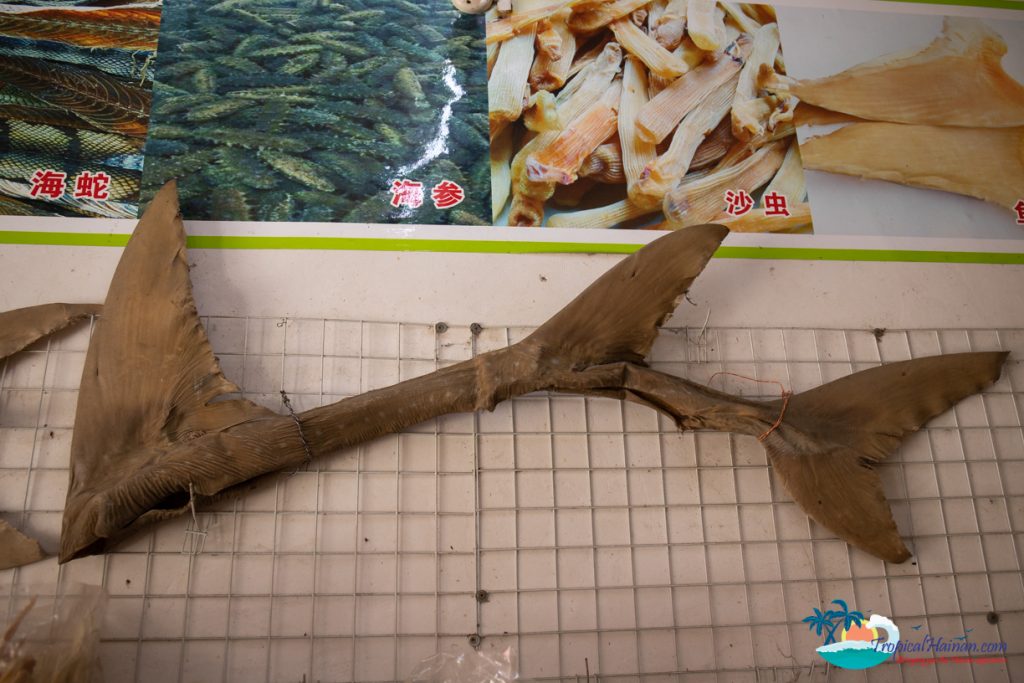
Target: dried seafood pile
x,y
308,109
947,117
75,86
660,102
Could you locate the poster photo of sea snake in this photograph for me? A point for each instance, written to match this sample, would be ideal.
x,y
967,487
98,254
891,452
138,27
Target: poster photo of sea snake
x,y
75,89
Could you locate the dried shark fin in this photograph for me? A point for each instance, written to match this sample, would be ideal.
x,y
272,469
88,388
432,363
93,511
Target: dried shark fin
x,y
17,549
150,377
603,326
25,326
987,163
831,436
957,80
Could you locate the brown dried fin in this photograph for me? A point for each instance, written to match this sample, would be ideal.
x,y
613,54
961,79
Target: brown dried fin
x,y
24,326
603,325
831,436
17,549
150,376
957,80
149,440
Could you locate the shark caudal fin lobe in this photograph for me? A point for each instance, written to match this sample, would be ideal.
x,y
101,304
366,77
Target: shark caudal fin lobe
x,y
617,317
830,436
24,326
150,378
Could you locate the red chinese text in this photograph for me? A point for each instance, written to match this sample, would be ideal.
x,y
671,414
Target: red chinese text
x,y
775,204
447,194
48,183
406,193
738,203
1019,208
92,185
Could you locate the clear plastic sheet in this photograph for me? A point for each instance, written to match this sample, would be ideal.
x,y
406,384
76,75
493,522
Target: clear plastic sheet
x,y
53,639
466,665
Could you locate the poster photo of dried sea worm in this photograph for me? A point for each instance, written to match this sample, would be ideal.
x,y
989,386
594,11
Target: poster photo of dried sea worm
x,y
75,88
910,125
355,111
641,114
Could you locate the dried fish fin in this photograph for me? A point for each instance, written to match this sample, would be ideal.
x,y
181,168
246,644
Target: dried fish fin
x,y
967,85
705,25
745,123
663,272
830,436
501,171
17,549
159,394
789,180
987,163
24,326
601,217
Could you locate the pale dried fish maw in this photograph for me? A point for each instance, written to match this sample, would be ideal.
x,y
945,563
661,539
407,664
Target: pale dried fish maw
x,y
604,164
957,80
789,181
508,87
692,202
705,25
25,326
501,171
601,217
17,549
550,70
662,113
559,161
759,220
765,47
663,173
636,152
592,16
987,163
659,60
670,27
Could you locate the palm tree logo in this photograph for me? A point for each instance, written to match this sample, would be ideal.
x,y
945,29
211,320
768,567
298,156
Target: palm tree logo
x,y
853,641
829,621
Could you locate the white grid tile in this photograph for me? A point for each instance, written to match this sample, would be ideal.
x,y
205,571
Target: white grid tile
x,y
604,542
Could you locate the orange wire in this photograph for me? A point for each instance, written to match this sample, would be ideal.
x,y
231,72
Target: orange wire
x,y
782,388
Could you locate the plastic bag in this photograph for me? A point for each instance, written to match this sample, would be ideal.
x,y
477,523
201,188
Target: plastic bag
x,y
54,639
466,665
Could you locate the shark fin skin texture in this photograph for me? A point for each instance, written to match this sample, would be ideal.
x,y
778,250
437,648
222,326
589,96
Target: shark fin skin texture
x,y
25,326
831,436
17,549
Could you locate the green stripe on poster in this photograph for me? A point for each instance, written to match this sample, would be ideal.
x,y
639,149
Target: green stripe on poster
x,y
74,239
997,4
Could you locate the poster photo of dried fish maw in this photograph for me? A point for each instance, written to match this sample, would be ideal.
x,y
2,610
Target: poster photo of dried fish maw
x,y
354,111
910,125
642,114
75,88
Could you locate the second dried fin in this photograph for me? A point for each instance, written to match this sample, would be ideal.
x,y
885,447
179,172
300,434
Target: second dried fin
x,y
957,80
831,436
987,163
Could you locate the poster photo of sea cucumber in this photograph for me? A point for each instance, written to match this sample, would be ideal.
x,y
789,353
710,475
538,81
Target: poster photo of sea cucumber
x,y
75,85
357,111
910,125
642,113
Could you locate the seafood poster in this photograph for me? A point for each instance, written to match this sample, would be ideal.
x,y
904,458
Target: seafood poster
x,y
856,124
76,81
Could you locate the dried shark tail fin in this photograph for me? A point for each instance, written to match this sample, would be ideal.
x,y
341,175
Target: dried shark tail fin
x,y
830,437
25,326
